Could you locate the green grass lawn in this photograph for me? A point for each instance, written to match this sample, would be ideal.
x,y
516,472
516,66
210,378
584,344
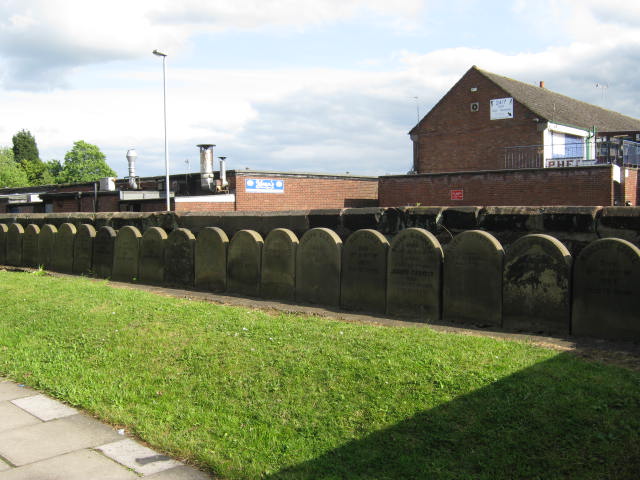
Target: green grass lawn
x,y
246,394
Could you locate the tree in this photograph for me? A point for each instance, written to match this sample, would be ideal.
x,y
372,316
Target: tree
x,y
11,175
25,153
84,163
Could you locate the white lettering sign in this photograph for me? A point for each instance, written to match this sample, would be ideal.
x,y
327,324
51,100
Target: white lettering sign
x,y
500,108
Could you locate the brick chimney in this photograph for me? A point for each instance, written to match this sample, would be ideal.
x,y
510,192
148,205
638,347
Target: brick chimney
x,y
541,83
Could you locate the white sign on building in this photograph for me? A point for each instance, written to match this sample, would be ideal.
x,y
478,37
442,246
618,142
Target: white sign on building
x,y
500,108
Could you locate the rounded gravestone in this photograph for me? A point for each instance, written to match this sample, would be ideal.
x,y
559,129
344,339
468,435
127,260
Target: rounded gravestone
x,y
414,279
62,260
211,259
364,272
30,255
472,279
83,249
103,246
318,267
179,257
279,265
244,263
14,244
536,285
3,243
126,249
46,245
606,290
151,264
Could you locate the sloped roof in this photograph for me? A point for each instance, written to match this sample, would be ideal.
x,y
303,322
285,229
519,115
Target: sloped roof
x,y
558,108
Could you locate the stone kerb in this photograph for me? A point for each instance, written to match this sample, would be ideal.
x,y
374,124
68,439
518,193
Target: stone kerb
x,y
14,244
536,285
279,265
318,267
472,279
62,260
126,250
244,262
83,249
414,280
30,252
151,263
606,290
211,259
3,243
179,257
103,247
47,245
364,272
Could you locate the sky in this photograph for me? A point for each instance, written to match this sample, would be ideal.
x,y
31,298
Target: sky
x,y
326,86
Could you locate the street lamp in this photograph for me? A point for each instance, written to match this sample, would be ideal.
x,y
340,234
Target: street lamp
x,y
166,142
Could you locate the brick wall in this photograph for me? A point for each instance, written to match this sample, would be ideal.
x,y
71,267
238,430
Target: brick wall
x,y
631,192
529,187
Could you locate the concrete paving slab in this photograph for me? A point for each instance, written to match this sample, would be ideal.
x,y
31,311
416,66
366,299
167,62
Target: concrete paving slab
x,y
180,473
13,417
25,445
44,408
11,391
78,465
142,459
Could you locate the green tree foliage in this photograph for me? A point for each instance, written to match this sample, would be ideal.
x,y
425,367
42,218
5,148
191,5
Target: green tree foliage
x,y
84,163
11,175
25,153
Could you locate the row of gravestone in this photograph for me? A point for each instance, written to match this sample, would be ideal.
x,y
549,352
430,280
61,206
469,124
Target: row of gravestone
x,y
535,286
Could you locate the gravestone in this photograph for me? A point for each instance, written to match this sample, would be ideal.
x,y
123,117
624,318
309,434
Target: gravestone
x,y
3,243
606,290
14,244
151,264
279,265
414,279
83,249
126,249
472,279
244,262
536,285
103,246
178,258
318,267
211,259
64,247
364,272
30,251
46,245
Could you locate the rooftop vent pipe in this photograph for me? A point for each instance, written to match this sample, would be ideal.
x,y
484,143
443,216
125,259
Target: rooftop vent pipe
x,y
206,166
131,158
223,172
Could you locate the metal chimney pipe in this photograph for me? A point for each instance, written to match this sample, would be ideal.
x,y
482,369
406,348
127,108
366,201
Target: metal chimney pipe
x,y
223,172
131,158
206,166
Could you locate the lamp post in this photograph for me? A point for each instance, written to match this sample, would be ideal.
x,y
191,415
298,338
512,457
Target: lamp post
x,y
166,142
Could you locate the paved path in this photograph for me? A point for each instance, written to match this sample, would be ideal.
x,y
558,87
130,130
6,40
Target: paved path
x,y
44,439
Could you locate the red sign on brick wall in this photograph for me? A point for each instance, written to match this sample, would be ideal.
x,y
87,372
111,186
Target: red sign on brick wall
x,y
457,194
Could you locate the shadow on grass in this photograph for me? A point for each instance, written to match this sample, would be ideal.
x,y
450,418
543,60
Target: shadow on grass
x,y
561,418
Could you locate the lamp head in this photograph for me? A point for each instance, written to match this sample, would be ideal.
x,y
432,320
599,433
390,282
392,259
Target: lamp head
x,y
159,54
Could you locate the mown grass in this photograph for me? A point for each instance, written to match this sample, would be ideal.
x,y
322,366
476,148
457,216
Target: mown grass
x,y
251,395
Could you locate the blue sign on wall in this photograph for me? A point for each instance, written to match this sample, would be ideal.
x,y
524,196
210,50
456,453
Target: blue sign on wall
x,y
263,185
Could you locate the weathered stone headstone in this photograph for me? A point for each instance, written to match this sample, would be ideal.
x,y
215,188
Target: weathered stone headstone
x,y
83,249
414,279
279,265
472,279
14,244
179,258
606,290
364,272
126,250
63,252
46,245
103,246
151,263
244,262
536,285
318,267
3,243
30,251
211,259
